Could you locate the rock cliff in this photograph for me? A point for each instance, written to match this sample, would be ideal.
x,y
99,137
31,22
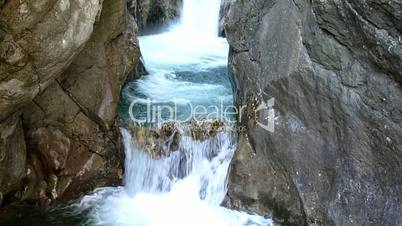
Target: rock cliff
x,y
334,69
224,10
151,15
62,66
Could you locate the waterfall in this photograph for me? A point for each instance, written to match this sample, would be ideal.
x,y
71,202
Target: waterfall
x,y
200,17
186,187
183,189
202,165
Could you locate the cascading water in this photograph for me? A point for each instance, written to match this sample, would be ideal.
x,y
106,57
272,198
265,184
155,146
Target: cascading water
x,y
204,164
200,17
186,65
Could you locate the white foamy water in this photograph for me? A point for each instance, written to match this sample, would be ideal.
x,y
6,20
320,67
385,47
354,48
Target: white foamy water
x,y
192,44
187,187
201,17
184,189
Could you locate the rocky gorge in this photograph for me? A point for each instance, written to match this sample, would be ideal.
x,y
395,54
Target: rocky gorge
x,y
333,68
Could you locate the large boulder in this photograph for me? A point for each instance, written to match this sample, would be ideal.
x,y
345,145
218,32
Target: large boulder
x,y
334,69
63,64
38,40
71,126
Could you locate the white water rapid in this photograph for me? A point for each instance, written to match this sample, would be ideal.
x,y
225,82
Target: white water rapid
x,y
185,64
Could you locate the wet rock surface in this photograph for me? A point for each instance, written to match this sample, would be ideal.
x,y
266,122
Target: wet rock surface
x,y
62,66
157,142
161,141
151,15
334,69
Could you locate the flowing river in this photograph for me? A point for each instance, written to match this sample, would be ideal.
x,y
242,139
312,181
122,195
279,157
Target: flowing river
x,y
187,68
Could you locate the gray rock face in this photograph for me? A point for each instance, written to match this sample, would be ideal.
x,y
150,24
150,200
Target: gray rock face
x,y
152,15
334,69
79,62
224,10
39,39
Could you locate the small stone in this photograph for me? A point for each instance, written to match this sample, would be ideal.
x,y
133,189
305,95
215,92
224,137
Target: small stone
x,y
52,187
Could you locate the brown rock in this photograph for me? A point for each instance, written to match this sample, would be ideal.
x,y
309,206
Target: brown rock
x,y
64,62
72,123
12,154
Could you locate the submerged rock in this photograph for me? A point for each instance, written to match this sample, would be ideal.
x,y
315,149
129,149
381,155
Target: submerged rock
x,y
157,142
334,69
162,141
202,130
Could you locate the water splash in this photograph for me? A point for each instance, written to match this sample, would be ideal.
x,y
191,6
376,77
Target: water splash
x,y
183,189
202,163
200,17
